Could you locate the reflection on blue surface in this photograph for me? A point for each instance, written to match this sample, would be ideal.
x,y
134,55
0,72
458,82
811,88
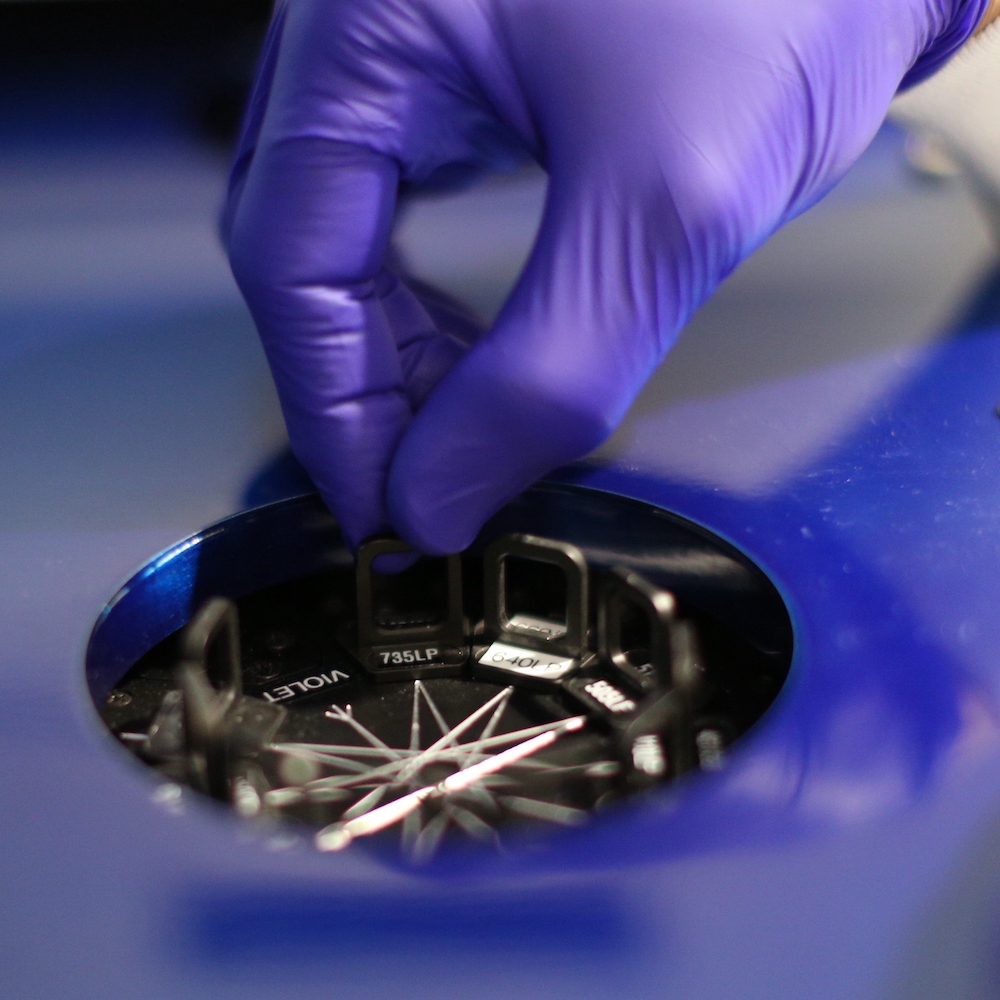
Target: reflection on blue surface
x,y
888,550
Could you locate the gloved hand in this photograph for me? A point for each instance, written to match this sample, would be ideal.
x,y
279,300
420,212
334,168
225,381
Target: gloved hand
x,y
678,135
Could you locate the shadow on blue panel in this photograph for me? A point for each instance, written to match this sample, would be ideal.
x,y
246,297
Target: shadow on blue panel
x,y
282,924
282,477
983,311
888,680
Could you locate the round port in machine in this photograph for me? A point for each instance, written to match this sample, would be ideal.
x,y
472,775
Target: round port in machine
x,y
587,649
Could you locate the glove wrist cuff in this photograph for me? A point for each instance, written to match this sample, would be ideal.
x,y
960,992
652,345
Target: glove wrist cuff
x,y
967,17
992,13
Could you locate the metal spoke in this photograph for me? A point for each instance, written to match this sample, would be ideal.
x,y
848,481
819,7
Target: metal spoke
x,y
411,831
388,771
548,811
470,822
479,795
430,838
415,717
337,713
340,748
452,735
387,778
281,797
518,734
324,758
364,823
329,794
609,768
438,717
367,802
491,726
493,742
492,782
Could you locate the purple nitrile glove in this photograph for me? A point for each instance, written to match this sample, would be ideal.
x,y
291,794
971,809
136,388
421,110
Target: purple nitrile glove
x,y
678,135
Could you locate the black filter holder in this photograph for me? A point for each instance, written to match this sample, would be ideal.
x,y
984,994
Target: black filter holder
x,y
438,649
216,626
649,705
620,588
570,641
221,724
215,629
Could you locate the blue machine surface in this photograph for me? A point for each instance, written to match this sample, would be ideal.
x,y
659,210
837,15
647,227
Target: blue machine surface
x,y
831,413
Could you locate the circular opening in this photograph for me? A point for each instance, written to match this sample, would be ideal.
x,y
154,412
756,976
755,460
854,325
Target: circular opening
x,y
628,648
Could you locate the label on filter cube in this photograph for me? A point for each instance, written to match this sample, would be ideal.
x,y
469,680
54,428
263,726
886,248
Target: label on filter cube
x,y
526,662
544,628
610,697
409,657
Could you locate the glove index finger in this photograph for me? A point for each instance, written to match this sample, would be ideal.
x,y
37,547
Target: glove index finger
x,y
307,242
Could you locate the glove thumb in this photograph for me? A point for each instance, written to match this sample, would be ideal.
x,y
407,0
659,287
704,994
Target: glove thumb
x,y
590,317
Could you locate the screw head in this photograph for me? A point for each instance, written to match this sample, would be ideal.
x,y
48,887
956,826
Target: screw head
x,y
264,670
279,640
118,699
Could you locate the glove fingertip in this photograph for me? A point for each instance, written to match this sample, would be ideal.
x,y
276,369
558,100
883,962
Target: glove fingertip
x,y
424,519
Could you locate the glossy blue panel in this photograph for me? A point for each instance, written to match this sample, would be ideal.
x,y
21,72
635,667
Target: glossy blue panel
x,y
850,851
887,551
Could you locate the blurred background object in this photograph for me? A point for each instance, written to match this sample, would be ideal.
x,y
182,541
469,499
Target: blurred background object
x,y
68,66
954,120
126,349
